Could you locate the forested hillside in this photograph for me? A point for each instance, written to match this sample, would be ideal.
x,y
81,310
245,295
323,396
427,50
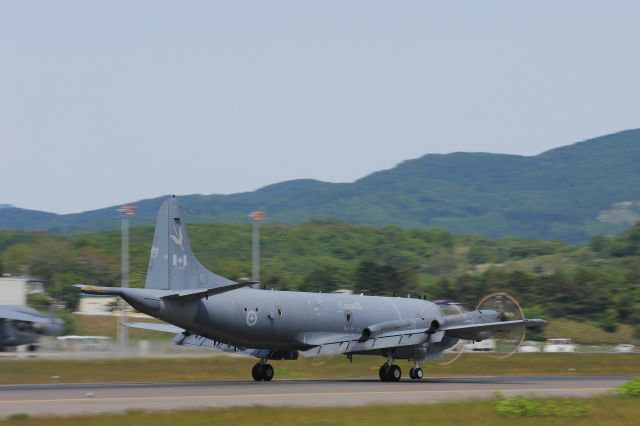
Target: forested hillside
x,y
570,193
598,283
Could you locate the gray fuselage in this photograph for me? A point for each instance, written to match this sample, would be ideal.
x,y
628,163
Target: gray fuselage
x,y
279,319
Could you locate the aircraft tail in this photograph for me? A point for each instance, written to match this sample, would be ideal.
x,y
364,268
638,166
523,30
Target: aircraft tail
x,y
172,264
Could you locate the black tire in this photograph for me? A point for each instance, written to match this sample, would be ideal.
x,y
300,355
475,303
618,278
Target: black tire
x,y
255,372
417,374
394,374
267,372
383,372
411,373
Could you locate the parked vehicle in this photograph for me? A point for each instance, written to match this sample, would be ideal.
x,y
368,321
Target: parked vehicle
x,y
559,345
529,346
624,348
487,345
84,343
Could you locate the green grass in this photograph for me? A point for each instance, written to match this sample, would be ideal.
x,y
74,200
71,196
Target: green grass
x,y
14,371
608,410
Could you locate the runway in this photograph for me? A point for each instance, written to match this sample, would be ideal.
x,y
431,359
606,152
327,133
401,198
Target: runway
x,y
68,399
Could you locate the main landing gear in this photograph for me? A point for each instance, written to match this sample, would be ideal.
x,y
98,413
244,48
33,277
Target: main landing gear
x,y
262,371
389,372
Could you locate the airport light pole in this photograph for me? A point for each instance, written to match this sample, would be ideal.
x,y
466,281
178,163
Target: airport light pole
x,y
125,212
255,234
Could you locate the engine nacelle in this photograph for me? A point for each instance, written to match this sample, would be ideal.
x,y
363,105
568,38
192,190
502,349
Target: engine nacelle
x,y
384,327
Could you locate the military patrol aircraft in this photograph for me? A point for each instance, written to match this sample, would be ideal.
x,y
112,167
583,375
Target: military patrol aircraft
x,y
21,325
206,310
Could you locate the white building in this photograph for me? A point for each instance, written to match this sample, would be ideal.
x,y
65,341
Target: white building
x,y
91,304
15,289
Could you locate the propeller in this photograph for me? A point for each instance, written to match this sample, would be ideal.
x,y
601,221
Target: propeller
x,y
508,309
507,341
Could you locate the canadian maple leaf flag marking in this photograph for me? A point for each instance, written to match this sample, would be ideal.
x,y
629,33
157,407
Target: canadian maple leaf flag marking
x,y
180,261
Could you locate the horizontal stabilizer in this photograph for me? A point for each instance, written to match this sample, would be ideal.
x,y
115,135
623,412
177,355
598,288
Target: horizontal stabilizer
x,y
154,326
18,313
201,293
470,331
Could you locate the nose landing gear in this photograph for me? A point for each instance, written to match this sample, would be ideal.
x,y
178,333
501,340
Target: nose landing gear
x,y
262,372
416,373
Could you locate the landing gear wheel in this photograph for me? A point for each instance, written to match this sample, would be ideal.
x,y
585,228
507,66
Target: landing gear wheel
x,y
383,372
255,372
415,373
394,373
390,373
267,372
261,372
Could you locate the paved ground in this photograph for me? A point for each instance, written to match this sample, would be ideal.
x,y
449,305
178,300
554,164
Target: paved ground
x,y
63,399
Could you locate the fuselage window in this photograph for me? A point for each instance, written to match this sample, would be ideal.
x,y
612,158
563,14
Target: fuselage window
x,y
349,319
279,312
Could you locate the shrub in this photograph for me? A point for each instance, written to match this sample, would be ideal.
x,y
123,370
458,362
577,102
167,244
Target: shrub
x,y
534,407
631,388
19,416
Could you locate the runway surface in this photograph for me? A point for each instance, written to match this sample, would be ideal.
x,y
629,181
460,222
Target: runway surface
x,y
67,399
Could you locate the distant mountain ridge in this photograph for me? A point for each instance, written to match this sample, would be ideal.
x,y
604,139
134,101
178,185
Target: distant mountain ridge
x,y
568,193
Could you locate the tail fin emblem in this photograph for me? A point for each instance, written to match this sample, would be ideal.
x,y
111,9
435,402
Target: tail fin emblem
x,y
180,261
177,238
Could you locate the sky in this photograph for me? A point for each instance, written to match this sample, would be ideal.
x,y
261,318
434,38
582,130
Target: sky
x,y
107,102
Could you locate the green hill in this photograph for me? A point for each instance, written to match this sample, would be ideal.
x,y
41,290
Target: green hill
x,y
569,193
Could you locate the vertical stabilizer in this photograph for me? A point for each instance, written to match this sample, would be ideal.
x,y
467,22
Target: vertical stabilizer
x,y
172,265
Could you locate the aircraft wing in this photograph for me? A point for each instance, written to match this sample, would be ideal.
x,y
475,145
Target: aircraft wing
x,y
16,315
471,331
349,344
411,337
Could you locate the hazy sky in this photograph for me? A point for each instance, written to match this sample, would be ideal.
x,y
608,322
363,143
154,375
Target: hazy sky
x,y
113,101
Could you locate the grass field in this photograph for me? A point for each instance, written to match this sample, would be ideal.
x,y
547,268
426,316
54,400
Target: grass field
x,y
608,410
13,371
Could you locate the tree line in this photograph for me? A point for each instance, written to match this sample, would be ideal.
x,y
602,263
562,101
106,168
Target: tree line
x,y
598,282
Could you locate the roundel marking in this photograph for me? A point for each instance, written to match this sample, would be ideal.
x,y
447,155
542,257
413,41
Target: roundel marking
x,y
252,318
